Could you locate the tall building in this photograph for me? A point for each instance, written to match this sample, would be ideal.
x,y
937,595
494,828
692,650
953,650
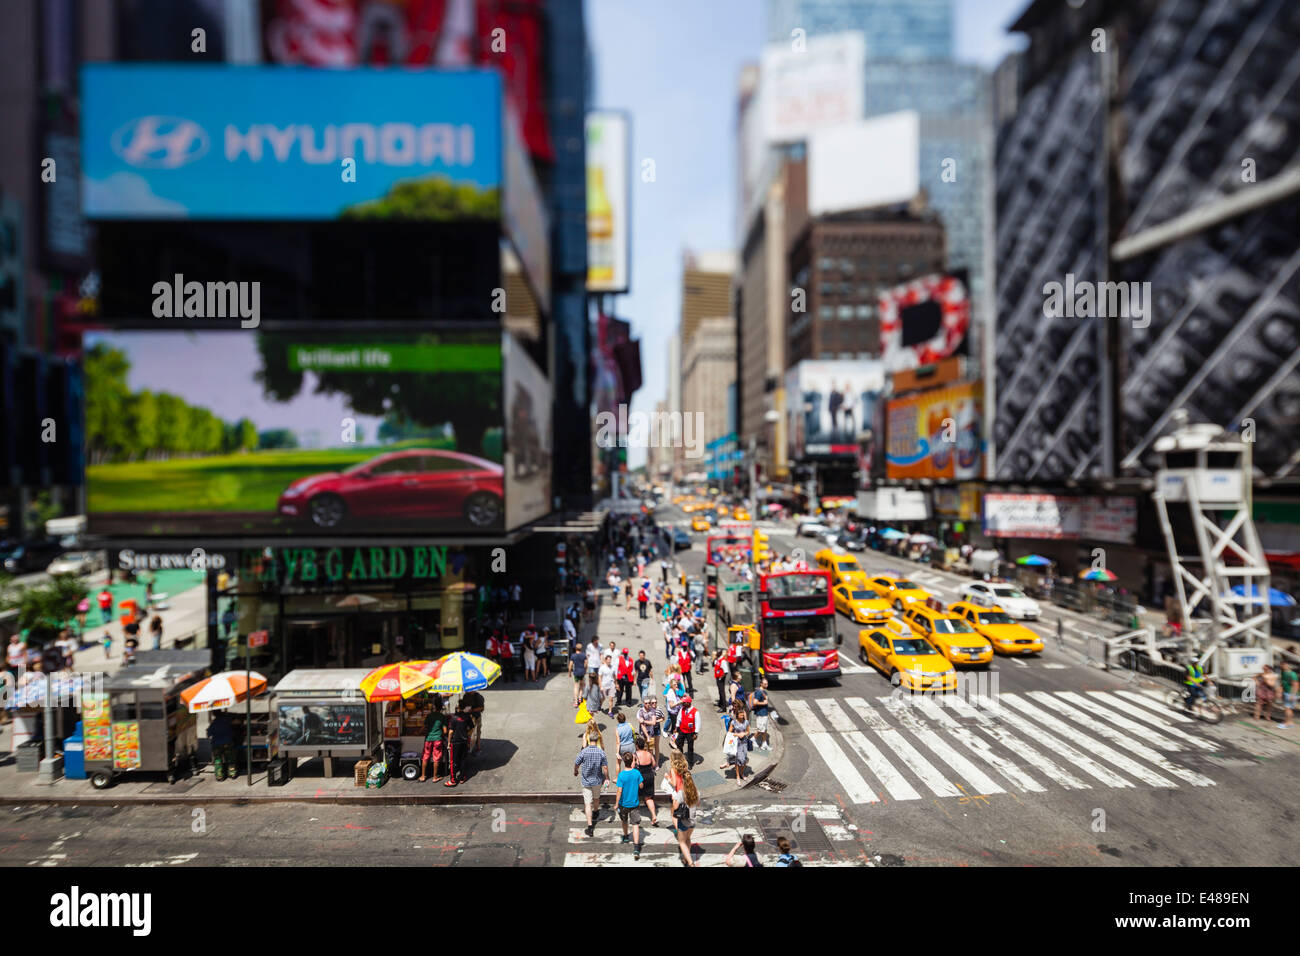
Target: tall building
x,y
708,372
706,290
909,66
1088,396
843,262
895,29
762,306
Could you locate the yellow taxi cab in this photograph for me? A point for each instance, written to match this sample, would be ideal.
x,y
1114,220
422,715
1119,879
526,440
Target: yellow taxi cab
x,y
898,590
844,568
679,500
862,604
740,514
700,524
892,649
951,634
722,511
1002,630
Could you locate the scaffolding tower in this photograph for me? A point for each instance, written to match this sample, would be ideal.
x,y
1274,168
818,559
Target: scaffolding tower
x,y
1206,474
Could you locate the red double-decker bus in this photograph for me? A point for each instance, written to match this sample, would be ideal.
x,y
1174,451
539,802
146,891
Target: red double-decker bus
x,y
796,620
716,547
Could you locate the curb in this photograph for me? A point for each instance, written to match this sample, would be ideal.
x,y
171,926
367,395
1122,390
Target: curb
x,y
450,799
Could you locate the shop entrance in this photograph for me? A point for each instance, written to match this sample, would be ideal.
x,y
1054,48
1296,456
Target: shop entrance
x,y
362,638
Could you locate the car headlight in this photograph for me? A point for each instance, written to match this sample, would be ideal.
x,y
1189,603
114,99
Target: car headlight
x,y
292,492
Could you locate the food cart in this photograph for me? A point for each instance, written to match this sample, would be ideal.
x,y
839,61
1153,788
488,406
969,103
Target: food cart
x,y
137,721
323,713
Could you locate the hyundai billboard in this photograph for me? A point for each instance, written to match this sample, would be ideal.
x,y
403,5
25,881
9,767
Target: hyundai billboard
x,y
293,434
269,143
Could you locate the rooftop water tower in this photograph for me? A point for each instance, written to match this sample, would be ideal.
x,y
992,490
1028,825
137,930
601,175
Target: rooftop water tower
x,y
1220,567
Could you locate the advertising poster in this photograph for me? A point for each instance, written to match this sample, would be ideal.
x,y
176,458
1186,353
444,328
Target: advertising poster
x,y
1109,519
126,745
324,724
608,202
233,432
97,731
936,434
528,436
815,87
833,409
924,321
1031,516
262,143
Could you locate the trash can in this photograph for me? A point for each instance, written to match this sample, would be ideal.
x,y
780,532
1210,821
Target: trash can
x,y
74,755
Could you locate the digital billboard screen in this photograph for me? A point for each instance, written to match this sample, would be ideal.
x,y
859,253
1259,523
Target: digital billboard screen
x,y
267,143
528,436
287,433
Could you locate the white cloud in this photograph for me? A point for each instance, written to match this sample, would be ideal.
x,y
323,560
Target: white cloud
x,y
125,193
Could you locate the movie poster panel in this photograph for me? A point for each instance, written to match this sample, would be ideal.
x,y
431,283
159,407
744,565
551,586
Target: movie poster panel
x,y
236,432
832,409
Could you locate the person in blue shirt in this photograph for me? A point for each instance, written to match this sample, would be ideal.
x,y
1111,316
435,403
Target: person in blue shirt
x,y
629,803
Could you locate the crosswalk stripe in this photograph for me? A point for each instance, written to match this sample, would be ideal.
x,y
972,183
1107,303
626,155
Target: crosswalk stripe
x,y
979,745
741,816
1094,746
1142,713
1057,746
849,666
981,781
893,781
855,788
1141,731
660,836
1019,747
1156,704
892,738
1110,733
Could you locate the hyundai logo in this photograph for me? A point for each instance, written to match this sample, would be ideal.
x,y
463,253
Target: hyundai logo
x,y
160,142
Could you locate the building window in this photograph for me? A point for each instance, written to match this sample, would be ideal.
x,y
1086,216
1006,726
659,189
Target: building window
x,y
865,311
826,312
846,312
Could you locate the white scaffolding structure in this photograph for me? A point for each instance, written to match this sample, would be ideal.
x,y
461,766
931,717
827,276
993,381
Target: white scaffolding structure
x,y
1206,473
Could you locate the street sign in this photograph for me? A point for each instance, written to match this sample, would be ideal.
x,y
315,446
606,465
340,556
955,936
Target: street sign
x,y
738,586
258,638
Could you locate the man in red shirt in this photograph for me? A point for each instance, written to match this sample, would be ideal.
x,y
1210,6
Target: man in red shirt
x,y
643,598
106,604
688,725
623,676
684,660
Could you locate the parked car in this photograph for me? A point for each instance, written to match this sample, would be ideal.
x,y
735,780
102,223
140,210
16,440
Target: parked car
x,y
1006,596
22,557
412,483
854,541
810,529
79,563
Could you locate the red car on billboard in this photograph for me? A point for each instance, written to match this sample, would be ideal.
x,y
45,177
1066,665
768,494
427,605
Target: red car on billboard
x,y
412,483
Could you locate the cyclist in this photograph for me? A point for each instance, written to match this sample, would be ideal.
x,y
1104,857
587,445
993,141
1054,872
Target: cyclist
x,y
1194,681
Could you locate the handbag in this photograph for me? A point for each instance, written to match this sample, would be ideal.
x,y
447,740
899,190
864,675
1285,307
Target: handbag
x,y
682,814
729,746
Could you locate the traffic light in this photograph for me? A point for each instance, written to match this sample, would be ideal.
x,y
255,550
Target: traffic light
x,y
761,551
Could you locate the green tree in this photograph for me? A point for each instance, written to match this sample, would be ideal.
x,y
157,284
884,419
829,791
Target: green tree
x,y
173,420
274,438
142,419
107,396
469,401
44,609
247,433
432,199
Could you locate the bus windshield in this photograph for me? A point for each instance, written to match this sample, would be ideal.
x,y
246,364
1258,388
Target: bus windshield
x,y
799,634
796,585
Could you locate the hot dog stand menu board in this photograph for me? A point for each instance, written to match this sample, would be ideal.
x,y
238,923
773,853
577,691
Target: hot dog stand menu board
x,y
126,745
96,730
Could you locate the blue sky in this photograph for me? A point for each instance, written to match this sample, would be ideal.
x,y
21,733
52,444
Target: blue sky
x,y
673,65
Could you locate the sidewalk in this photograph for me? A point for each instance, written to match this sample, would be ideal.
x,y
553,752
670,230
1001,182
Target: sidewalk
x,y
529,742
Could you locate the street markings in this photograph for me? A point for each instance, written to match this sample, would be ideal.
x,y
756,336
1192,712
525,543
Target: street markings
x,y
947,746
719,829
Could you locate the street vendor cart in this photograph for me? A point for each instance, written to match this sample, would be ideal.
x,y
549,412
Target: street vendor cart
x,y
137,721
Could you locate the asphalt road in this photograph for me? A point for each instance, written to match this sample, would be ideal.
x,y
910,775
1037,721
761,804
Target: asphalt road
x,y
1060,764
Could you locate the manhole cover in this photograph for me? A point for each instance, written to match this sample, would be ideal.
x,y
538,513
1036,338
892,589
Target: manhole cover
x,y
491,855
776,786
803,831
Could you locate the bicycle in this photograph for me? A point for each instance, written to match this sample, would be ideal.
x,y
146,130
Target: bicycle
x,y
1210,708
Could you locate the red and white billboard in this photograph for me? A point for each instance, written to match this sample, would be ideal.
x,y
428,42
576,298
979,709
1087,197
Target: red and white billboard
x,y
923,321
432,33
1054,516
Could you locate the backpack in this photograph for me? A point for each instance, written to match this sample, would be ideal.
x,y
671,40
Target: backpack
x,y
718,672
789,859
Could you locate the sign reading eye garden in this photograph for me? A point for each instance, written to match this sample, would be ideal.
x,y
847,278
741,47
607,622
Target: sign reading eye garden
x,y
262,143
323,566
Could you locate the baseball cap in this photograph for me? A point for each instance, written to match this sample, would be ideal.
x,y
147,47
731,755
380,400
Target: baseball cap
x,y
626,651
686,700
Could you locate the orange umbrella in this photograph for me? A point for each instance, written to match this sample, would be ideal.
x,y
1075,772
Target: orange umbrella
x,y
394,682
222,690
